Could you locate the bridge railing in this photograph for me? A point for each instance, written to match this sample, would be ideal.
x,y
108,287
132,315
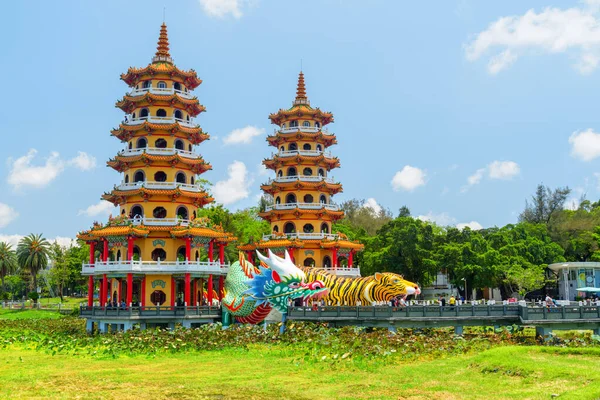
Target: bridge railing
x,y
149,311
501,310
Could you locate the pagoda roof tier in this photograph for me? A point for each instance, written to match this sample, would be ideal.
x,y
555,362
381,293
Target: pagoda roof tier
x,y
129,103
162,64
301,108
301,111
324,185
303,240
316,160
123,162
291,135
299,210
111,229
189,78
119,196
126,132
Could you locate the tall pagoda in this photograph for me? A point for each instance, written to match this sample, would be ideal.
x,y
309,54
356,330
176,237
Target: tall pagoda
x,y
303,212
156,252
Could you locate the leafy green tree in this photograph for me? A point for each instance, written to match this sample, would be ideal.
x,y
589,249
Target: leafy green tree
x,y
8,262
404,246
59,273
544,204
32,254
358,216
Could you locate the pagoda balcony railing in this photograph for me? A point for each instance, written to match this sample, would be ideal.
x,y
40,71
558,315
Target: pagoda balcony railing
x,y
159,185
306,206
308,153
303,235
161,92
309,129
123,266
158,151
129,120
304,178
159,221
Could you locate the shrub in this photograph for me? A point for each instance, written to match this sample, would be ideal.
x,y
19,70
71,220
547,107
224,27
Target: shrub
x,y
33,296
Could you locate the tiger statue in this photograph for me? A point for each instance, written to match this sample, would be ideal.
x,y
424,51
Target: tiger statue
x,y
380,287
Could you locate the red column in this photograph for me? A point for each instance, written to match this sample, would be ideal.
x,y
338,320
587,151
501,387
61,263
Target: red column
x,y
186,289
201,291
195,293
130,240
172,292
188,248
335,260
350,258
249,254
291,252
90,291
211,246
129,289
104,290
222,253
105,251
119,288
210,290
143,290
92,251
221,287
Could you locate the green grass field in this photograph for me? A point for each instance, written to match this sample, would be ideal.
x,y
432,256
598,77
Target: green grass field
x,y
28,314
271,373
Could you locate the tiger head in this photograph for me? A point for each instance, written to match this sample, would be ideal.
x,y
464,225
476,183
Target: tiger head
x,y
392,285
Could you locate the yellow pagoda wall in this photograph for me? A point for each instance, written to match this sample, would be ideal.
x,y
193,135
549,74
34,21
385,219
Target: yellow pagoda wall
x,y
157,281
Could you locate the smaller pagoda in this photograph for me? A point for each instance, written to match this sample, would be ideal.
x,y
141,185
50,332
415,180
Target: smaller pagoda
x,y
303,212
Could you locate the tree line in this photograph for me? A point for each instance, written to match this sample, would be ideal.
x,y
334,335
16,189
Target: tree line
x,y
513,257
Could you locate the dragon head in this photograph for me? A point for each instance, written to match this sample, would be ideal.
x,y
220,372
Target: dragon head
x,y
394,285
279,280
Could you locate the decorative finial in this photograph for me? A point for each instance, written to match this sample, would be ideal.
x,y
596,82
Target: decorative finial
x,y
162,50
301,91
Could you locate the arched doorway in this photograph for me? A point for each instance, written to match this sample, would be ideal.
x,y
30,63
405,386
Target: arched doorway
x,y
289,227
309,262
159,254
326,262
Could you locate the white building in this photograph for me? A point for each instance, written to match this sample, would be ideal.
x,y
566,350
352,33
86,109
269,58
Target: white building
x,y
574,275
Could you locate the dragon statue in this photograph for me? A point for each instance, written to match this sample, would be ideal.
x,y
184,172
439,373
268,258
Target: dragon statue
x,y
380,287
251,292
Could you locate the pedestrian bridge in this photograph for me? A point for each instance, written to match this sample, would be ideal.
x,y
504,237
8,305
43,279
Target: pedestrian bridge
x,y
543,318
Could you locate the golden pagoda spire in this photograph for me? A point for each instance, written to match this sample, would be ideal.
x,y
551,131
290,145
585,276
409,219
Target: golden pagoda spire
x,y
162,49
301,91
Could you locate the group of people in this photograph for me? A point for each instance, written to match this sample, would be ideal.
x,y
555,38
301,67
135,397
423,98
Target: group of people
x,y
399,302
451,301
114,304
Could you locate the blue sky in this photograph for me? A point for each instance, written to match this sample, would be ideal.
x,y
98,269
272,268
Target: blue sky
x,y
457,109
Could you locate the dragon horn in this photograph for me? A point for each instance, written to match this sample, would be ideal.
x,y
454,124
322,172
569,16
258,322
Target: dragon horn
x,y
263,258
275,257
287,257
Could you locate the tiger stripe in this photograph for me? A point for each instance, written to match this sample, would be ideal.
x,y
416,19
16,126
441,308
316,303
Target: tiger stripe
x,y
380,287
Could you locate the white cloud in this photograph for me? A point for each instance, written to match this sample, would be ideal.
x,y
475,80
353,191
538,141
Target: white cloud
x,y
262,170
243,135
503,170
585,145
102,207
83,161
553,30
7,215
442,219
24,174
474,225
476,177
14,240
501,61
409,178
235,187
373,205
220,8
572,204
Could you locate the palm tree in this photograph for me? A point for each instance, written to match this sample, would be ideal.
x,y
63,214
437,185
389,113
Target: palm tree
x,y
8,262
32,255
